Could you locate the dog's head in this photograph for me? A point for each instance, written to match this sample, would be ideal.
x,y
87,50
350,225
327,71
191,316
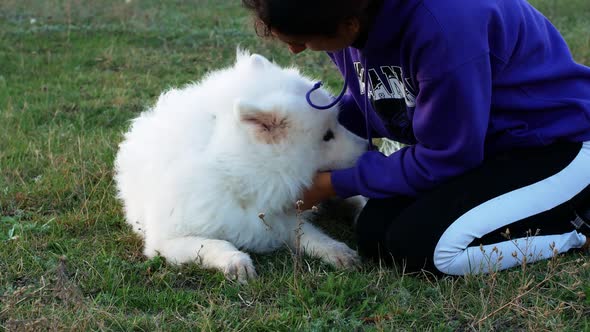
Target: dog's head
x,y
275,115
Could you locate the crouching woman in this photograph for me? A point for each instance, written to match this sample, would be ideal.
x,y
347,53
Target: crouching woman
x,y
494,112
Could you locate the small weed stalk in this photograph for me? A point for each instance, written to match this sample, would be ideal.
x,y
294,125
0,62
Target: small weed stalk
x,y
266,225
68,11
298,251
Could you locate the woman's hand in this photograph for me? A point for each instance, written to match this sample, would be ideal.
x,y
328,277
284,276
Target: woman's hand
x,y
320,190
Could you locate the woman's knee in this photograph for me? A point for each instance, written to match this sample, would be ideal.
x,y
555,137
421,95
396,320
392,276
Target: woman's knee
x,y
373,223
369,235
409,251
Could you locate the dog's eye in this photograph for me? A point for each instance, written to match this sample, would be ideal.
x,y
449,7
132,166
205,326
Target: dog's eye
x,y
329,135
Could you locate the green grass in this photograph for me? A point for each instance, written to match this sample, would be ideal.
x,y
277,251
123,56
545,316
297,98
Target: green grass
x,y
73,72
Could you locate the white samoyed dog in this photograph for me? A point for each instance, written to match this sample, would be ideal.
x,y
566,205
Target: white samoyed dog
x,y
197,170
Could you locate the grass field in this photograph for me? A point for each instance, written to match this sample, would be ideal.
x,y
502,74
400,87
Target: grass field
x,y
73,72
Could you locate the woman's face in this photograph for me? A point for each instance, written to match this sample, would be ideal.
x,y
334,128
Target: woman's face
x,y
345,35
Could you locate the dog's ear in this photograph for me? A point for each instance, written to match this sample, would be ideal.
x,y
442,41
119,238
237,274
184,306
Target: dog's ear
x,y
258,61
267,125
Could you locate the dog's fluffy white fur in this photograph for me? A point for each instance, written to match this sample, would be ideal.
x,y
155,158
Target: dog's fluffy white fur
x,y
196,170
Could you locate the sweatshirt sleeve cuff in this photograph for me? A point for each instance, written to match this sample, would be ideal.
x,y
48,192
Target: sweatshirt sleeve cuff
x,y
343,182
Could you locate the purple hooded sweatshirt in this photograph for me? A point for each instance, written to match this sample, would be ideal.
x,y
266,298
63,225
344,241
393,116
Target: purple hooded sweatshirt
x,y
458,81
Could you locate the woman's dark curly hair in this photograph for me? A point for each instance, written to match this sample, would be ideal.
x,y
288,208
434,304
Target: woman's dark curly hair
x,y
304,17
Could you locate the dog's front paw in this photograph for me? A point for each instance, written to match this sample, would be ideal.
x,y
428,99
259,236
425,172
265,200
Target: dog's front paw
x,y
239,267
340,255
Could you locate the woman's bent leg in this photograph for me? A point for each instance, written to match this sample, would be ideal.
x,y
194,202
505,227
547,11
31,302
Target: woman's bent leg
x,y
461,226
